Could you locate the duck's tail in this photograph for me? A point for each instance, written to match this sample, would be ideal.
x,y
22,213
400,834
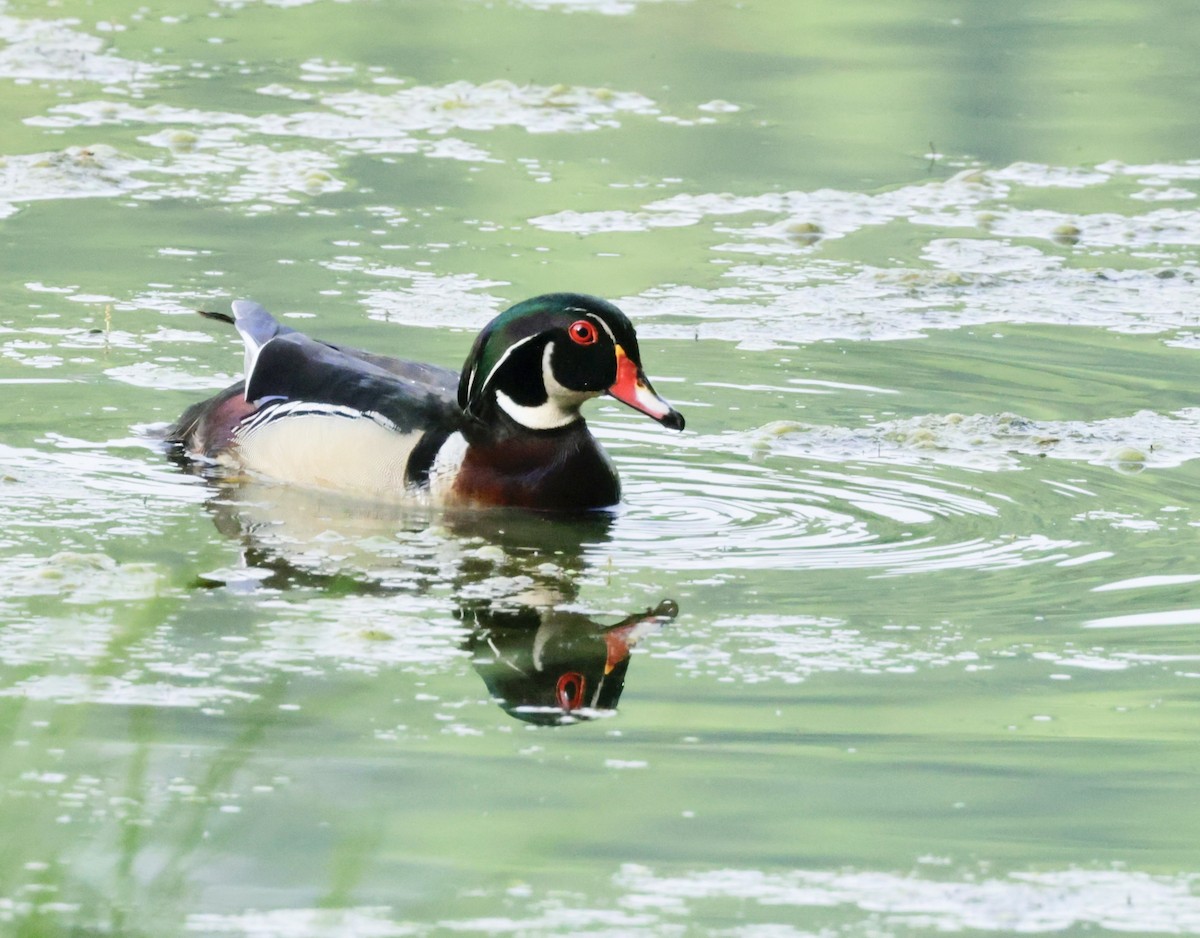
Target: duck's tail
x,y
219,317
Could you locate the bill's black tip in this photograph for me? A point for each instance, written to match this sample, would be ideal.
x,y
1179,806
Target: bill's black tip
x,y
673,420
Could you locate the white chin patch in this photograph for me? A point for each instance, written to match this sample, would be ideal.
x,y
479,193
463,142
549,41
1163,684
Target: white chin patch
x,y
546,416
561,406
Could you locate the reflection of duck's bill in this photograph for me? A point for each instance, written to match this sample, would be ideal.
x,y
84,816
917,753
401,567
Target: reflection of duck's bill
x,y
621,638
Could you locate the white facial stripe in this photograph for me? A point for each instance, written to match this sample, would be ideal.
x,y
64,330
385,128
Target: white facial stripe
x,y
560,408
549,382
604,326
503,358
564,397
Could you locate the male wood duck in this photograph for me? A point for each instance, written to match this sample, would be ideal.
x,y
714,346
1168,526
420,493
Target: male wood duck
x,y
507,431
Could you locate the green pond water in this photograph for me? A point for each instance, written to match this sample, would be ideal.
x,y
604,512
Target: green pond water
x,y
916,596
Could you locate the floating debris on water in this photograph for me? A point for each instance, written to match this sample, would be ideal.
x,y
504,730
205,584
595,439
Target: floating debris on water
x,y
990,441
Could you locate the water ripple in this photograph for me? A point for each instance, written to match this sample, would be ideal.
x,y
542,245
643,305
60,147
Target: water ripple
x,y
742,515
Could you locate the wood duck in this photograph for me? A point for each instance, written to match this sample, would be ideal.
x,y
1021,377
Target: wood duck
x,y
507,431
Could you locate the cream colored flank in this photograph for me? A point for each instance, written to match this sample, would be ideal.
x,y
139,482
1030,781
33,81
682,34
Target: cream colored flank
x,y
362,455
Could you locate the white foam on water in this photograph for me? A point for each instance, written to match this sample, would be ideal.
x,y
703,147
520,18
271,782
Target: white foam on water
x,y
55,50
988,442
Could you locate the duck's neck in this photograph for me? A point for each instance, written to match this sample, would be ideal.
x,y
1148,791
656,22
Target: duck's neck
x,y
562,469
496,422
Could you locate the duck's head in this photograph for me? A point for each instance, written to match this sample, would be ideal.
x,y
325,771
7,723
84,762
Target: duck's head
x,y
540,360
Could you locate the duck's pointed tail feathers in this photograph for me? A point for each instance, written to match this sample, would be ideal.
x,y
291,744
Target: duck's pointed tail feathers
x,y
219,317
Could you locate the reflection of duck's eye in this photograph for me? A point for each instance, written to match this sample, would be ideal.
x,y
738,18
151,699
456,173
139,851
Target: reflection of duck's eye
x,y
569,691
583,332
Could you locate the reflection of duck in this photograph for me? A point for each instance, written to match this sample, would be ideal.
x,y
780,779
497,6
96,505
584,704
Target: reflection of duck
x,y
512,434
511,574
551,666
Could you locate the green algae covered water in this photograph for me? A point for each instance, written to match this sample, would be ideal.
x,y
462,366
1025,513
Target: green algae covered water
x,y
912,604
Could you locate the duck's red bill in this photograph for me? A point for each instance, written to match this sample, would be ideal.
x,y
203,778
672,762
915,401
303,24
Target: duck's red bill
x,y
632,388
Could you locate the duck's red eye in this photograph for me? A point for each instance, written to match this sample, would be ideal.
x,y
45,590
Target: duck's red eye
x,y
582,332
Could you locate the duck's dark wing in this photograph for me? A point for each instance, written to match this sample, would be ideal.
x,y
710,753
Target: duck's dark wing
x,y
312,377
293,367
273,350
432,376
